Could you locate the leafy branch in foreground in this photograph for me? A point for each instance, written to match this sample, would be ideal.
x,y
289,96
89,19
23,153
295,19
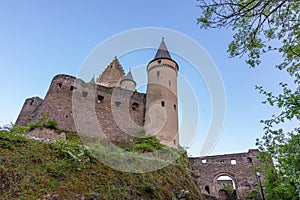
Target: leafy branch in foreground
x,y
282,179
261,27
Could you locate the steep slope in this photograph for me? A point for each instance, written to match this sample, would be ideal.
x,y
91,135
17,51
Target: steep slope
x,y
31,169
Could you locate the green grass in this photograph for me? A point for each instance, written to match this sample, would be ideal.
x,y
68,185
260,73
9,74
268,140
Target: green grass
x,y
31,170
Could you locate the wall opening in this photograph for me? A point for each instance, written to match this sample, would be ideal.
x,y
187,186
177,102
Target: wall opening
x,y
163,103
204,161
31,102
100,98
117,103
249,160
169,83
207,189
135,106
72,88
226,187
158,74
174,142
175,107
59,85
159,61
233,162
84,94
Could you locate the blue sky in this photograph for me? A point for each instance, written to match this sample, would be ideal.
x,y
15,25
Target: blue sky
x,y
40,39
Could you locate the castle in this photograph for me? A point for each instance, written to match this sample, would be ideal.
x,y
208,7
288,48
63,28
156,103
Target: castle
x,y
120,111
112,105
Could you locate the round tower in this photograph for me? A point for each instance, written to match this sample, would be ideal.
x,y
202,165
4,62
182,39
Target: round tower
x,y
161,117
127,82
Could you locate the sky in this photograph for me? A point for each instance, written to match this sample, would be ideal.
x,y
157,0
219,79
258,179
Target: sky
x,y
40,39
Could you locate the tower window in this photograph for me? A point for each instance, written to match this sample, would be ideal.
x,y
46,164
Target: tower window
x,y
59,85
157,73
169,83
174,106
117,103
135,106
174,141
163,103
84,94
100,98
31,102
72,88
159,61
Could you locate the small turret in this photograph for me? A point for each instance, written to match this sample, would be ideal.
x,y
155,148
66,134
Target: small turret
x,y
127,82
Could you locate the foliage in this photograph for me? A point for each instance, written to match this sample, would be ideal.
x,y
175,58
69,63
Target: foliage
x,y
261,27
146,144
282,180
52,124
12,137
39,170
253,195
71,149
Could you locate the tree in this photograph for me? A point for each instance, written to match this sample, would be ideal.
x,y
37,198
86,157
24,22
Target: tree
x,y
262,27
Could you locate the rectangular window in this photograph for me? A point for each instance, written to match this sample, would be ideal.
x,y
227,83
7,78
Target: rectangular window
x,y
84,94
163,103
117,103
100,98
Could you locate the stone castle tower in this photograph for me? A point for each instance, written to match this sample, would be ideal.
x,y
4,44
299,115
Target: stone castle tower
x,y
161,103
120,109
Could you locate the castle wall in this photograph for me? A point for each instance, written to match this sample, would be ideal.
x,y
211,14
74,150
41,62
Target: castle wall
x,y
29,111
58,101
89,108
239,167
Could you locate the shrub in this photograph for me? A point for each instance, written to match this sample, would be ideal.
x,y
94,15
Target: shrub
x,y
52,124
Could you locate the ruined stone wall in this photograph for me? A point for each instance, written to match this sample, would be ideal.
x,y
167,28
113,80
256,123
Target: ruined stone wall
x,y
239,167
87,107
29,111
58,101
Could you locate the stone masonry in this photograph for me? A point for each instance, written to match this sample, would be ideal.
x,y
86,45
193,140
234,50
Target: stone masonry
x,y
240,167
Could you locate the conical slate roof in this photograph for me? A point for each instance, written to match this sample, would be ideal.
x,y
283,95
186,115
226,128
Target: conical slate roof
x,y
128,77
162,51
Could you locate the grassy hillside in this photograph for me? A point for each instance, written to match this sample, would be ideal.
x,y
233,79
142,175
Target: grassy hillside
x,y
32,169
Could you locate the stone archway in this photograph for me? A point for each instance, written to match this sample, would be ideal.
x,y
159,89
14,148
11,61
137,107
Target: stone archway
x,y
225,186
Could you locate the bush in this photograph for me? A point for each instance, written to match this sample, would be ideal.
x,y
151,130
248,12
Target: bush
x,y
9,138
146,144
52,124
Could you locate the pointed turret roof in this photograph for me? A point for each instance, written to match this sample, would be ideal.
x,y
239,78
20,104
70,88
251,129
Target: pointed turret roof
x,y
128,77
162,51
93,80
